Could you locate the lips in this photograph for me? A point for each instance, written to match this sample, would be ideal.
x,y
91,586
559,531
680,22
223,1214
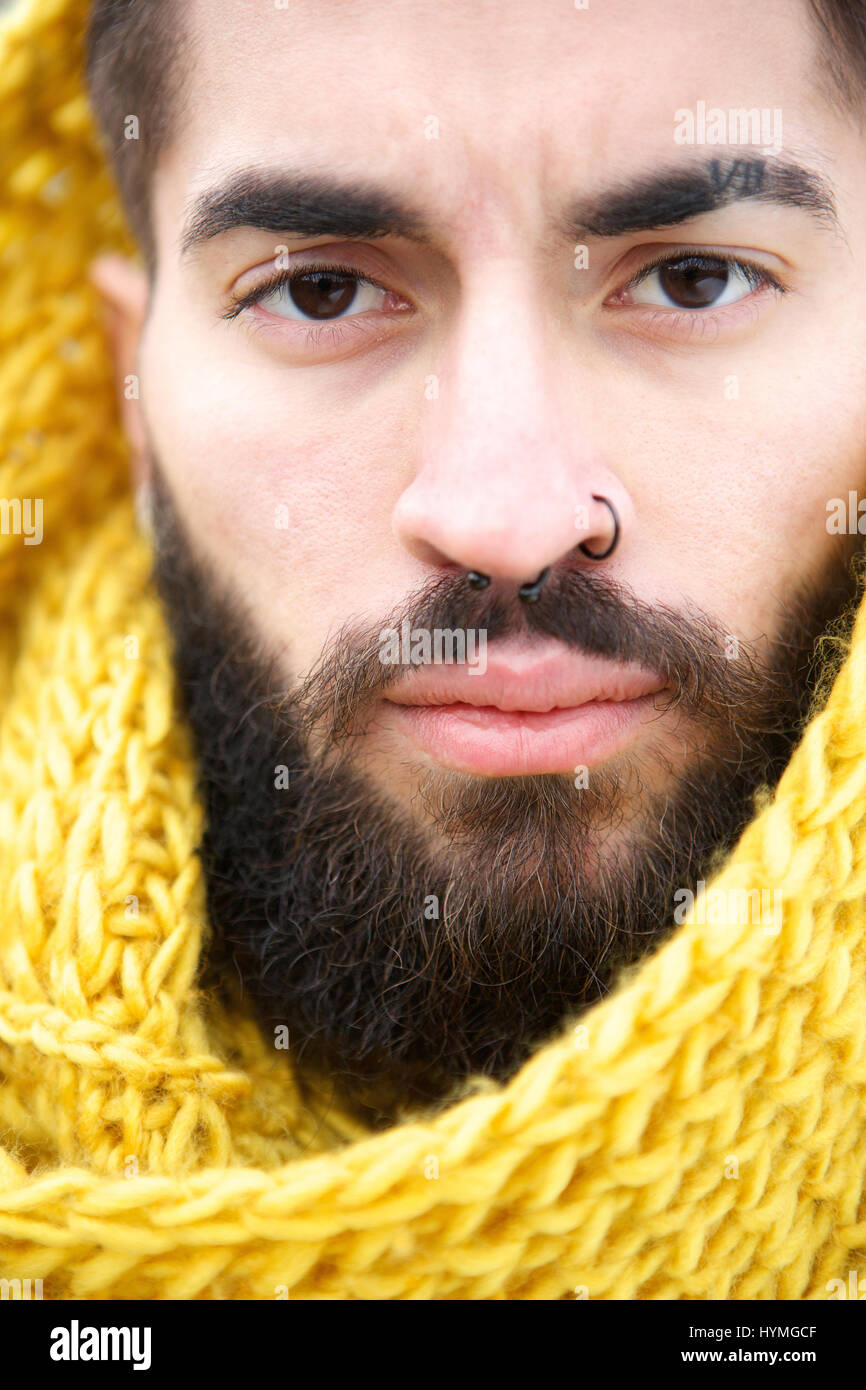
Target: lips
x,y
535,709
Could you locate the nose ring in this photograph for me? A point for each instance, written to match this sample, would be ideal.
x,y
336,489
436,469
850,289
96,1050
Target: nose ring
x,y
530,592
602,555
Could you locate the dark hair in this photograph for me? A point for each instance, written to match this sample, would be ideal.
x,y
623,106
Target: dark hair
x,y
137,63
139,59
842,24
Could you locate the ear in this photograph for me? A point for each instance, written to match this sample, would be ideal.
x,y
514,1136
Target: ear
x,y
125,292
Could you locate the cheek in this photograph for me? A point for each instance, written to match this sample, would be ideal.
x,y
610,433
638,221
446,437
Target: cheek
x,y
738,516
808,450
294,514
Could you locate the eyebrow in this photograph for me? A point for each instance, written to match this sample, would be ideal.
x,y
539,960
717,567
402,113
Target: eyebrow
x,y
308,205
665,198
299,205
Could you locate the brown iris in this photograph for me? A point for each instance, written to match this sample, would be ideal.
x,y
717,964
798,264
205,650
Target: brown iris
x,y
323,294
694,284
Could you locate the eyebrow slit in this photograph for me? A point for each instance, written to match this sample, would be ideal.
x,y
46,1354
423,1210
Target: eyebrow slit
x,y
747,175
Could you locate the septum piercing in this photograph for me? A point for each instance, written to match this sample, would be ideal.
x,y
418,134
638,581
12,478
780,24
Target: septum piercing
x,y
529,593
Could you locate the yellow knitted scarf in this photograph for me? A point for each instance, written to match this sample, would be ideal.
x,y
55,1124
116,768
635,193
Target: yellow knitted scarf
x,y
701,1134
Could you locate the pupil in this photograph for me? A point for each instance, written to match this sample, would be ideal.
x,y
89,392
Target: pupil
x,y
694,285
323,295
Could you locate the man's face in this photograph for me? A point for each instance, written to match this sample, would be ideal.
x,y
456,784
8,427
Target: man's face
x,y
551,310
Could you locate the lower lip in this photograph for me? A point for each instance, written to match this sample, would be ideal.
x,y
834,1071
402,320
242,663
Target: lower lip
x,y
520,743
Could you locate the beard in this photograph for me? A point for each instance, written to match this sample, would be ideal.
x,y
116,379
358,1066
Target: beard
x,y
406,951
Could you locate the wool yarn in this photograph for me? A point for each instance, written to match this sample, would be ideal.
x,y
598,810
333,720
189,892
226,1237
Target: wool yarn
x,y
700,1133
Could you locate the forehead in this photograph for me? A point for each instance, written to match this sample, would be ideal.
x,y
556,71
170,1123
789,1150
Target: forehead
x,y
495,106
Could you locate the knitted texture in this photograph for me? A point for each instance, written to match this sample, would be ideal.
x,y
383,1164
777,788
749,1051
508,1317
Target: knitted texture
x,y
700,1134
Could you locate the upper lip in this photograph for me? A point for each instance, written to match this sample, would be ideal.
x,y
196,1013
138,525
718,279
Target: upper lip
x,y
536,679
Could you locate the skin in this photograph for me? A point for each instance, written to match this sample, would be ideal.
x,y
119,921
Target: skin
x,y
552,385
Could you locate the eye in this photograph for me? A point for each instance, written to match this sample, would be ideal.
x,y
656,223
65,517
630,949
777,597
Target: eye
x,y
323,294
317,294
697,282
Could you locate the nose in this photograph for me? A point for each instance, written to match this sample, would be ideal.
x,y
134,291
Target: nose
x,y
510,477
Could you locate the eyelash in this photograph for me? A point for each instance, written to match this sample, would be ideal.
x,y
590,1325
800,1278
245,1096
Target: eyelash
x,y
279,278
757,276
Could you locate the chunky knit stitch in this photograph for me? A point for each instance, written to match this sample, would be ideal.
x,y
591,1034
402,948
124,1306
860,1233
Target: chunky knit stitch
x,y
152,1142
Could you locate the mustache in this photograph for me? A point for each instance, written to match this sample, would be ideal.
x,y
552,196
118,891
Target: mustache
x,y
589,613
